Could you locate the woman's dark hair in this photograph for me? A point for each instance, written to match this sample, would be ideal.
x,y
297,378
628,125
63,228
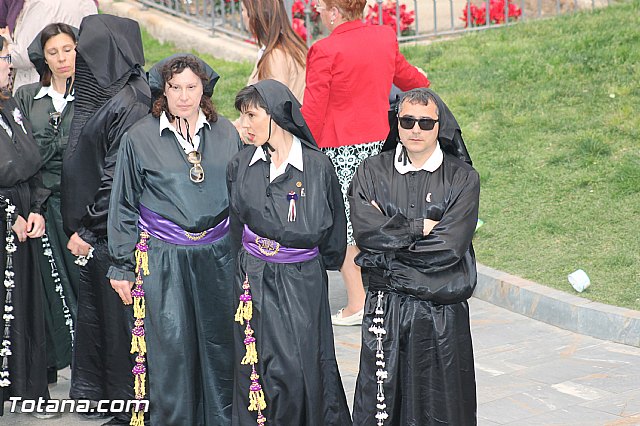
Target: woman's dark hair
x,y
176,66
269,24
49,31
249,97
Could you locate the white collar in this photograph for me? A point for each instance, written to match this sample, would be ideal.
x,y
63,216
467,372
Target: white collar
x,y
166,124
58,99
294,158
431,165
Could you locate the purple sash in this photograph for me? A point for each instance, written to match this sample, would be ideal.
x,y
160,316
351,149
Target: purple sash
x,y
167,231
271,251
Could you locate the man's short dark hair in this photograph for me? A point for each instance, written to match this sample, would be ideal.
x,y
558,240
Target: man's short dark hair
x,y
419,96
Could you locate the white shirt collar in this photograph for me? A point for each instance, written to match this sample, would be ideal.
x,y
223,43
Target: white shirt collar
x,y
431,165
200,122
58,99
294,158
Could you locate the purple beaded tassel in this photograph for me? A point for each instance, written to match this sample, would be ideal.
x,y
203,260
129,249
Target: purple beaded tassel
x,y
138,341
243,316
381,374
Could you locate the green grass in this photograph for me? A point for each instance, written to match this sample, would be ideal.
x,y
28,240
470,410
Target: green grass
x,y
550,113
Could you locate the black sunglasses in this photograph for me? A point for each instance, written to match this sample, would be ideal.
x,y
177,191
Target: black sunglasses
x,y
408,122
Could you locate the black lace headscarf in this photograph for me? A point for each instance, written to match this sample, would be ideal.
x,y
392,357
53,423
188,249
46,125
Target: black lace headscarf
x,y
449,132
109,51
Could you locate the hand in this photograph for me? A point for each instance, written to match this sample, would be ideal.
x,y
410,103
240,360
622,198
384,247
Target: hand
x,y
421,71
20,228
238,127
428,226
77,246
35,225
123,288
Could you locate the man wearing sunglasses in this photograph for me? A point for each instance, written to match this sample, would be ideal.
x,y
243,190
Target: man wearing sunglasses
x,y
414,208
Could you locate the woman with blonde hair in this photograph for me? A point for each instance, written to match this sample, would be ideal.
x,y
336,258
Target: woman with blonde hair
x,y
282,54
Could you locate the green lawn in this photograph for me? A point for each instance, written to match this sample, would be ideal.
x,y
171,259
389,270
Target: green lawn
x,y
550,113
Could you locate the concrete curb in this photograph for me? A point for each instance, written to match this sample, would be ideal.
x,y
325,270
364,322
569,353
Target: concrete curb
x,y
558,308
183,35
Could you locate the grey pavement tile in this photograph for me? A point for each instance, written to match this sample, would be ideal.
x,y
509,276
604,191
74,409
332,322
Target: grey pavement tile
x,y
579,390
562,370
491,388
575,416
619,380
626,404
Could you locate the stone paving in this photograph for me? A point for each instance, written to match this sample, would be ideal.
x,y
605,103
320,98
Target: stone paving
x,y
528,373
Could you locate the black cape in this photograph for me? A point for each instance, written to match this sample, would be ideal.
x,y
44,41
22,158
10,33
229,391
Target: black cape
x,y
291,317
21,184
425,281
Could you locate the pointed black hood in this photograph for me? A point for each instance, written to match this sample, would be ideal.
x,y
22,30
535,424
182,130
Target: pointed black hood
x,y
285,110
449,133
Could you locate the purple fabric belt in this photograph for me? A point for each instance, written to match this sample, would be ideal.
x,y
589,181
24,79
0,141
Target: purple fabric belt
x,y
271,251
167,231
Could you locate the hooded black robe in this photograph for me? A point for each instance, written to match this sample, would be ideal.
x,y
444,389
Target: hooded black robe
x,y
21,184
291,317
111,95
425,280
188,293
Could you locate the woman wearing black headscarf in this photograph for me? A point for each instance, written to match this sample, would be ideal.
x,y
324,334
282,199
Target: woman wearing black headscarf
x,y
23,358
168,228
48,105
288,223
414,208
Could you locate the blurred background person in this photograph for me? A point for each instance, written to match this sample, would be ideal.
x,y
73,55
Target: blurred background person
x,y
23,353
282,53
170,184
346,102
32,17
111,94
48,105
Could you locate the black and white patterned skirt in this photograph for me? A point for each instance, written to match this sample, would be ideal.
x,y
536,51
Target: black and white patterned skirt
x,y
346,160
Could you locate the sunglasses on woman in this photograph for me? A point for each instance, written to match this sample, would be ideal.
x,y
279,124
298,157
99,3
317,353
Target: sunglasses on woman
x,y
407,122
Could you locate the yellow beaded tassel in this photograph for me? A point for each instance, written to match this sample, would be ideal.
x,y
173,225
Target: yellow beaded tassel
x,y
138,341
243,316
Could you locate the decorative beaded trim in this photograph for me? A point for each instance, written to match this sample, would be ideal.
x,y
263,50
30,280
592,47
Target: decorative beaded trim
x,y
138,341
9,284
381,374
48,252
243,316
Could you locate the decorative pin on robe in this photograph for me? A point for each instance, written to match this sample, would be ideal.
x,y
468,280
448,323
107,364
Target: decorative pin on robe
x,y
292,197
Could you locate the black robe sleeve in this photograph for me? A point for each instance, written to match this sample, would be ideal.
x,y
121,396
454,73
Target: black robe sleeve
x,y
39,193
235,224
451,238
374,231
94,222
334,247
124,213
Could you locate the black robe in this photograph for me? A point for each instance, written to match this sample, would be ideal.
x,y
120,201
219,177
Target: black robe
x,y
291,316
111,95
21,184
426,282
189,297
52,144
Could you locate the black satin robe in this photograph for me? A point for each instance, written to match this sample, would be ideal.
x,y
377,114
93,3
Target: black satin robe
x,y
21,183
189,296
291,318
426,282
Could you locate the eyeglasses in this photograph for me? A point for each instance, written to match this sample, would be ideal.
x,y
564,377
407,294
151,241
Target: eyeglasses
x,y
407,122
196,174
54,121
6,58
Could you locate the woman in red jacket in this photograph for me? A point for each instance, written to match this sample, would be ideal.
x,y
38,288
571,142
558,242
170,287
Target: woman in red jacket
x,y
349,76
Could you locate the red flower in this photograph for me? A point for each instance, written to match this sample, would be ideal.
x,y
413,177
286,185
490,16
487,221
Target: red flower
x,y
389,16
496,13
299,28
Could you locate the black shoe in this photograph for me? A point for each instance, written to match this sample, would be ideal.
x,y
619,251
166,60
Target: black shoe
x,y
116,422
94,415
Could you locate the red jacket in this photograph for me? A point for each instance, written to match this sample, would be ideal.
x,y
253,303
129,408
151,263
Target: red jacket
x,y
349,76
